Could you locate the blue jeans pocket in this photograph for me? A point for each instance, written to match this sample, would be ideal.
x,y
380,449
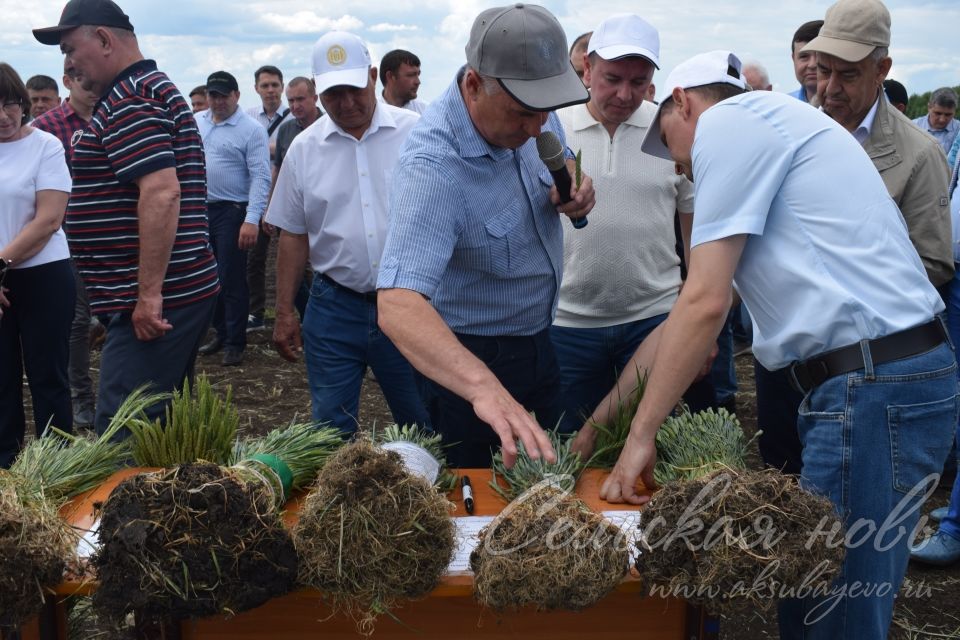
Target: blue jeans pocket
x,y
920,438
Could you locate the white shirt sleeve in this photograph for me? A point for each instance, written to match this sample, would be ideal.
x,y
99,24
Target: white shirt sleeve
x,y
287,209
52,173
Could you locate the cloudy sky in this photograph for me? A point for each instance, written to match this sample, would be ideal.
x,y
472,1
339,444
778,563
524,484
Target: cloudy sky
x,y
191,38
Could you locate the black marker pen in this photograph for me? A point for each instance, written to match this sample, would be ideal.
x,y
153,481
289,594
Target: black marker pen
x,y
467,492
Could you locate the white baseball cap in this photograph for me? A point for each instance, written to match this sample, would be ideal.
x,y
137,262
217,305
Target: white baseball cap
x,y
340,58
626,34
713,67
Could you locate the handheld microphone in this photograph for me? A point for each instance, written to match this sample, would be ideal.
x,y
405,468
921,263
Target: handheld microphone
x,y
551,153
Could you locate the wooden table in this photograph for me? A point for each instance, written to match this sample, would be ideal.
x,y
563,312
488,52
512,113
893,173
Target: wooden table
x,y
449,612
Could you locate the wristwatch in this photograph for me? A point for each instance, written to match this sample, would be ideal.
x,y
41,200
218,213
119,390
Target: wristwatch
x,y
4,265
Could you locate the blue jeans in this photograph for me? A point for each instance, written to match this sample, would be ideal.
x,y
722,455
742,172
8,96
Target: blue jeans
x,y
127,362
591,360
869,437
35,336
951,523
233,303
340,339
723,373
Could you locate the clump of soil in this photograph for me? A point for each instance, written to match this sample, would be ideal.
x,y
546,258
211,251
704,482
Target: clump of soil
x,y
189,542
756,542
549,550
34,548
371,534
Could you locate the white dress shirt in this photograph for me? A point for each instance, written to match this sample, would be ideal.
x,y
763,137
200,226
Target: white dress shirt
x,y
336,189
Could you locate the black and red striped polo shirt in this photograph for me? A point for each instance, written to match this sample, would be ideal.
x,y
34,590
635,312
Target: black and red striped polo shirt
x,y
141,126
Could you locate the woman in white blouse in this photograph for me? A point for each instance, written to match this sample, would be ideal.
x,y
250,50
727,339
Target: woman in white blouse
x,y
37,290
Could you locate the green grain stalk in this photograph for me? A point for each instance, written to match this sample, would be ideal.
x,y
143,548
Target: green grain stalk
x,y
304,448
59,465
201,426
612,437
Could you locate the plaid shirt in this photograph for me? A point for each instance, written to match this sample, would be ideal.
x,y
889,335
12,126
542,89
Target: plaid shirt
x,y
63,122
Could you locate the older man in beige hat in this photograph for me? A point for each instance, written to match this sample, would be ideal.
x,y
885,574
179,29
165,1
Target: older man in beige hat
x,y
852,62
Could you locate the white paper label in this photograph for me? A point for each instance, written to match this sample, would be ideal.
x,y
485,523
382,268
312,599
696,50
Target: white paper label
x,y
416,459
629,523
468,529
90,541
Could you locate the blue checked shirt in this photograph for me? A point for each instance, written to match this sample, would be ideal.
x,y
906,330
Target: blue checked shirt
x,y
472,226
238,161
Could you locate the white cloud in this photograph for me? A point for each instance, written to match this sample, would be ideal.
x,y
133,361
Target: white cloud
x,y
386,27
310,22
191,38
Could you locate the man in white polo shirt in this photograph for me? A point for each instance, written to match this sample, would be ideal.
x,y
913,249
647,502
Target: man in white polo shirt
x,y
330,202
630,242
793,213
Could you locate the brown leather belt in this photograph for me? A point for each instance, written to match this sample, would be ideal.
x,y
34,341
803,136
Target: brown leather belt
x,y
807,374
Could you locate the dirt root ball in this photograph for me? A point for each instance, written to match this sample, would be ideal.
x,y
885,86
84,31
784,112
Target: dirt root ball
x,y
34,548
371,534
189,542
549,550
736,540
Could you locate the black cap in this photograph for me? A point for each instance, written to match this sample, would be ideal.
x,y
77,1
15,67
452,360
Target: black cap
x,y
896,92
99,13
222,82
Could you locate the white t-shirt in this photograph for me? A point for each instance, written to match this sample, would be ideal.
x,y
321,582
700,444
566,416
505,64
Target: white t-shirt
x,y
33,163
828,261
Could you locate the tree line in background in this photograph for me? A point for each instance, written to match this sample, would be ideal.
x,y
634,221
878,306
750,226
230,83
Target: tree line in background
x,y
917,105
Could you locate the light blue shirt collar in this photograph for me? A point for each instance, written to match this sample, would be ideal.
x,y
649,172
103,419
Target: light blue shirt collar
x,y
232,120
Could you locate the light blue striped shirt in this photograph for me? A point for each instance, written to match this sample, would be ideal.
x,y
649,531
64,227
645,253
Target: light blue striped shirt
x,y
954,152
472,226
944,136
238,161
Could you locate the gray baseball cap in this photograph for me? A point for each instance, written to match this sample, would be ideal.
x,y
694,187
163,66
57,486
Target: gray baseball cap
x,y
523,46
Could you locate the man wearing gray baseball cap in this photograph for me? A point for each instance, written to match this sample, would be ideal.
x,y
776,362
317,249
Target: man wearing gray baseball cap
x,y
474,254
792,212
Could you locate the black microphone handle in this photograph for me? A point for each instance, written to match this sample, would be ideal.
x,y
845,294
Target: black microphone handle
x,y
561,178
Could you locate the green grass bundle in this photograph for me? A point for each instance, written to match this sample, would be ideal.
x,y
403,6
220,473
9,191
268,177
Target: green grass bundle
x,y
691,445
371,534
190,542
201,539
611,437
547,548
36,545
756,524
198,426
527,472
287,459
